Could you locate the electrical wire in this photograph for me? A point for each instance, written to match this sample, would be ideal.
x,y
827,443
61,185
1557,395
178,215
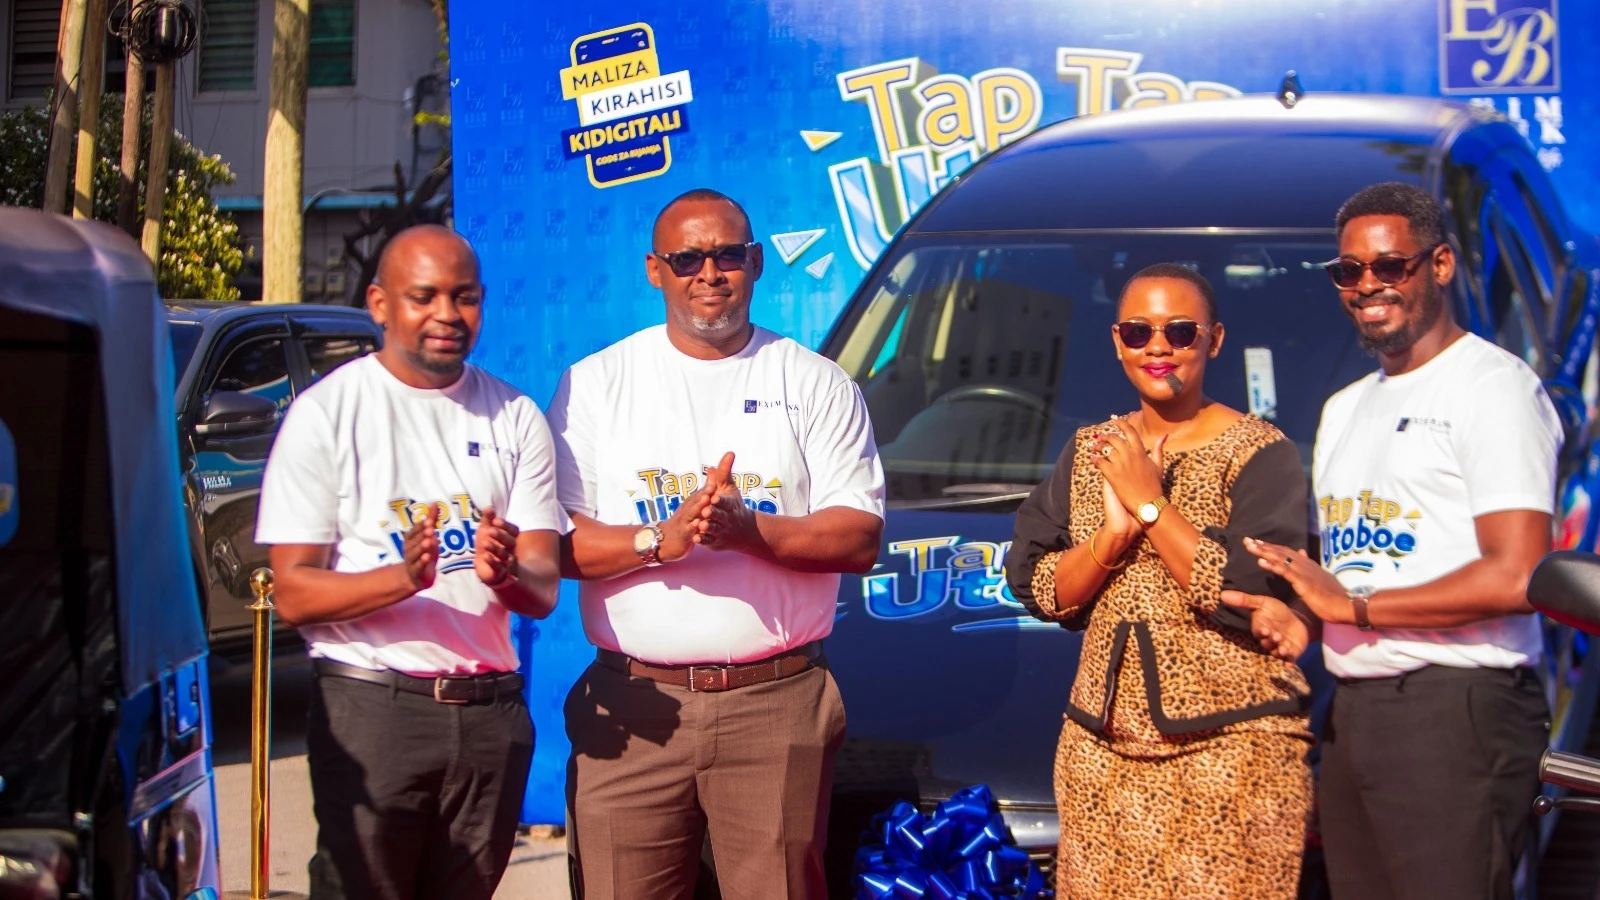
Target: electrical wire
x,y
157,30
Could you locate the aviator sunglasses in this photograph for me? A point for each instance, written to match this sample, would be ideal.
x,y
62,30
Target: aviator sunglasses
x,y
1180,335
1389,270
728,258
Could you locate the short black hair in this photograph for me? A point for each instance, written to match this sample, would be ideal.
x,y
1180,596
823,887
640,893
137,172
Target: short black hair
x,y
1423,213
696,195
1179,272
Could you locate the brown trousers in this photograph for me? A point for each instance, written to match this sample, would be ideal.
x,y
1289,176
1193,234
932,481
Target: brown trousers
x,y
655,769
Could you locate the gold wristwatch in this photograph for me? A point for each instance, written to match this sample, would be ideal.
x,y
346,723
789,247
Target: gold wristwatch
x,y
647,543
1149,512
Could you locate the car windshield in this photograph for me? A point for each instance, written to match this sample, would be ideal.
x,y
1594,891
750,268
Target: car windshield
x,y
185,337
979,356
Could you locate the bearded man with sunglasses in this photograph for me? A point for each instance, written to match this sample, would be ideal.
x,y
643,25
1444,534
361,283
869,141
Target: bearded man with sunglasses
x,y
1434,479
707,588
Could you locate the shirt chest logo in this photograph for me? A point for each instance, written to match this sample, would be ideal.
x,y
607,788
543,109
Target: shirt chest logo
x,y
1422,423
755,406
480,450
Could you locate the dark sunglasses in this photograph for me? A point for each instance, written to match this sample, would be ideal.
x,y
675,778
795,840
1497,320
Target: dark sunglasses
x,y
686,263
1180,335
1389,270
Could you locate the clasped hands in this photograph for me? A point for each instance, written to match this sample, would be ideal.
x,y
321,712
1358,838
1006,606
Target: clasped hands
x,y
715,517
1133,476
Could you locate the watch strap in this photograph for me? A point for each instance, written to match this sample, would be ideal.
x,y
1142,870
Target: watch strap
x,y
1359,598
1159,503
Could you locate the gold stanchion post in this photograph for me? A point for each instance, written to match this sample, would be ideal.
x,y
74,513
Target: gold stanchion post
x,y
260,733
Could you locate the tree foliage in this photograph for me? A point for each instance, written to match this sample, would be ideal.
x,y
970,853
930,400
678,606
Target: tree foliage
x,y
200,245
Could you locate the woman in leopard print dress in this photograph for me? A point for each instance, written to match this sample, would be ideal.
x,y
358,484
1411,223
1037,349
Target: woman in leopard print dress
x,y
1181,769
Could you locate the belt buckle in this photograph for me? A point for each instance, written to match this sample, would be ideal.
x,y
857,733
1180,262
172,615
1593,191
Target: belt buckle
x,y
719,684
438,683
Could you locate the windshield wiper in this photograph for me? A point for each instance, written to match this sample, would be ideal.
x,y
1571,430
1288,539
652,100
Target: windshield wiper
x,y
977,493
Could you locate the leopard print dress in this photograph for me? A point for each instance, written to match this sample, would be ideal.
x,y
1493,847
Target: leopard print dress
x,y
1181,769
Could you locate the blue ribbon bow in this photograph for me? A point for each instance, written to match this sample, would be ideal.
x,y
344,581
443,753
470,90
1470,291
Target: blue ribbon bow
x,y
962,852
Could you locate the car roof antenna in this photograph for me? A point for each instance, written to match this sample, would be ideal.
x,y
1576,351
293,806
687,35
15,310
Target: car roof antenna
x,y
1290,92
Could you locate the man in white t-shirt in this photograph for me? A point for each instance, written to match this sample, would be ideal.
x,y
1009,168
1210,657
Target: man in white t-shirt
x,y
708,589
410,505
1435,481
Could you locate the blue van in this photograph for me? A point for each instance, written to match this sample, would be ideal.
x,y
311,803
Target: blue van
x,y
106,783
981,340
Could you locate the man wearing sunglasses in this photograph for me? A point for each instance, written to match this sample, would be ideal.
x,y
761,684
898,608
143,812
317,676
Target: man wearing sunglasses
x,y
707,589
1434,479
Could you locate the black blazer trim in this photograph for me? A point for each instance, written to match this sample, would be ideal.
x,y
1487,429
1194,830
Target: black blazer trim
x,y
1152,688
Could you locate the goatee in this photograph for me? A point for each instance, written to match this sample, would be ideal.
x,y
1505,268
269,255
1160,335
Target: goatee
x,y
1430,308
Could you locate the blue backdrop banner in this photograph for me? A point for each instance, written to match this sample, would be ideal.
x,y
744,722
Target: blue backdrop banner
x,y
833,121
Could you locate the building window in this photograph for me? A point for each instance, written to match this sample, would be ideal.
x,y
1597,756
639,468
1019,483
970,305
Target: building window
x,y
333,43
34,26
228,45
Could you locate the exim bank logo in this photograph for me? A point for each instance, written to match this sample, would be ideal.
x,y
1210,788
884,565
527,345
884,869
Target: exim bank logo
x,y
1499,46
627,109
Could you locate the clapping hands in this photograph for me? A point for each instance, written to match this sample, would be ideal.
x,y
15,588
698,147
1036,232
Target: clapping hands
x,y
726,523
713,516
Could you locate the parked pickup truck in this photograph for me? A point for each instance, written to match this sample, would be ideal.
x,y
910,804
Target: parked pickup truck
x,y
238,367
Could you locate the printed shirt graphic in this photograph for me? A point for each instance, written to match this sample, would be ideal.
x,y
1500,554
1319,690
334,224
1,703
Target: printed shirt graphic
x,y
360,455
637,424
1402,467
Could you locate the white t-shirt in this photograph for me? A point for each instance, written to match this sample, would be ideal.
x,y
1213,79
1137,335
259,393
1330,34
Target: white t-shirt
x,y
359,454
636,426
1403,465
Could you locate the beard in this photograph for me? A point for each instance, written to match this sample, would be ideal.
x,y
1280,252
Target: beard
x,y
1428,309
717,328
438,364
713,327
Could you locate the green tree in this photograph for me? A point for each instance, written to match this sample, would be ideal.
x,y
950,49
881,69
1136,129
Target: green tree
x,y
200,245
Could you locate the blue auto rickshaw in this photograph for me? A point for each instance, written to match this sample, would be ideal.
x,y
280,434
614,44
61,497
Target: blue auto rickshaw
x,y
106,785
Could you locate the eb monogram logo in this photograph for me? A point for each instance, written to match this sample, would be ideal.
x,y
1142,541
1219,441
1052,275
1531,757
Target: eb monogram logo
x,y
1498,46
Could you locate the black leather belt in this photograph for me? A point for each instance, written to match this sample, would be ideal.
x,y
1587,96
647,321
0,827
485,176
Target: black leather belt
x,y
456,690
717,677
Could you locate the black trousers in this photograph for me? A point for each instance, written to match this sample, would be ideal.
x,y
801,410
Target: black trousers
x,y
414,799
1428,781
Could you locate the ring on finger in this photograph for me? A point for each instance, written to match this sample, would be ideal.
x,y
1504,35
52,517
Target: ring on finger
x,y
1105,449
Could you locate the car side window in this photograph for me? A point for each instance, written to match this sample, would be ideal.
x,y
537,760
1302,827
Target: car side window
x,y
1464,196
324,354
1546,248
258,367
1514,299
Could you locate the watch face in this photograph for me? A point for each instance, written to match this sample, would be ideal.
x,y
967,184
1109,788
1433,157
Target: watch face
x,y
644,539
1148,512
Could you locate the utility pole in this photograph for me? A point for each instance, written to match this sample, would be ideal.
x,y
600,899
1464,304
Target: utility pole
x,y
132,120
69,60
155,187
282,219
92,78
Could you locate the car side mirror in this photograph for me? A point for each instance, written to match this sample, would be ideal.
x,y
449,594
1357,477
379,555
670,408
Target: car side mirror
x,y
236,414
1573,411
